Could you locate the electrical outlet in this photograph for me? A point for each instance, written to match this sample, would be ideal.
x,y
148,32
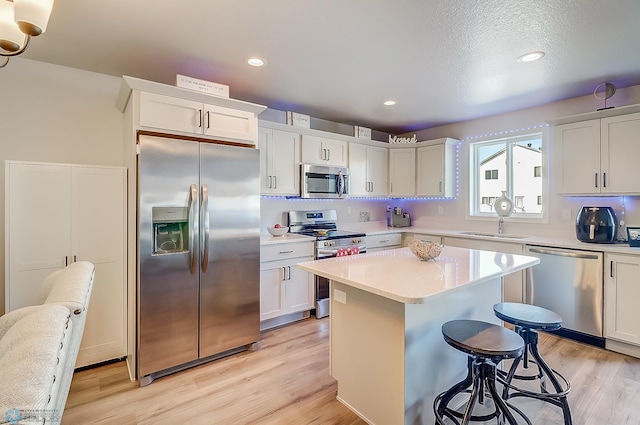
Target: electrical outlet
x,y
440,211
566,214
365,215
340,296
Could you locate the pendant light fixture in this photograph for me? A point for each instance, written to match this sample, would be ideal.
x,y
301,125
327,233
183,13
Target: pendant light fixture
x,y
19,21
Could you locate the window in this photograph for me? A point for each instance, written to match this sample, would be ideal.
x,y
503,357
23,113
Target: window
x,y
491,175
505,165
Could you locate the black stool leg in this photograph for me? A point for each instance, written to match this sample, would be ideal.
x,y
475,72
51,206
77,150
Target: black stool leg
x,y
564,404
446,397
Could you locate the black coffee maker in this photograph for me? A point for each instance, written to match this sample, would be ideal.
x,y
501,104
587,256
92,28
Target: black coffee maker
x,y
596,224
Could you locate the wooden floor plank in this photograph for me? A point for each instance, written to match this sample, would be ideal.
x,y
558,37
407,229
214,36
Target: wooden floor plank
x,y
287,381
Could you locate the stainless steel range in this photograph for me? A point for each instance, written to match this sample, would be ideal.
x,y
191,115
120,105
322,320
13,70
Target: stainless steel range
x,y
330,242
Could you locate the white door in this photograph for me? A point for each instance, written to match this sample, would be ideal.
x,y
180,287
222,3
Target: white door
x,y
298,289
430,175
620,139
377,170
578,153
170,113
97,234
402,172
621,295
38,228
285,162
271,287
358,178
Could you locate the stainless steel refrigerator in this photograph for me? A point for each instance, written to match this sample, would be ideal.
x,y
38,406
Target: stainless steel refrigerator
x,y
199,251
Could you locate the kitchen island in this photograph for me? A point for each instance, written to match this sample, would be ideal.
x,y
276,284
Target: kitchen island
x,y
387,309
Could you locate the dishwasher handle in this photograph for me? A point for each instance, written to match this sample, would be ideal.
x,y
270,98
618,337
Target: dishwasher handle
x,y
564,253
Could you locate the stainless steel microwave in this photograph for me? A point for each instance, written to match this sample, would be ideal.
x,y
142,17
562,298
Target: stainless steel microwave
x,y
321,181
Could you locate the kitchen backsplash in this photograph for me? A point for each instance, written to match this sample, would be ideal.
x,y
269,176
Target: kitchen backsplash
x,y
450,213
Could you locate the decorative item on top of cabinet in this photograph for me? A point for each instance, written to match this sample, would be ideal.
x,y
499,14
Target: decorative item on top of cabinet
x,y
598,156
60,213
367,170
402,172
279,162
436,169
621,295
286,292
323,151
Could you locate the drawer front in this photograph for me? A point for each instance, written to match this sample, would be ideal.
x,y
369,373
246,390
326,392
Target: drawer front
x,y
387,239
286,250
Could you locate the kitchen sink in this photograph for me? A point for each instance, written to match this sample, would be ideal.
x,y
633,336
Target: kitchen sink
x,y
495,235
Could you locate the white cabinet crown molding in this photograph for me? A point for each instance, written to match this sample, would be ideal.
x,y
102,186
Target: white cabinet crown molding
x,y
605,113
131,83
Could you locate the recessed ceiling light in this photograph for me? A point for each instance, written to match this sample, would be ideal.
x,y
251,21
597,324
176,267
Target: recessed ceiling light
x,y
531,56
256,62
390,103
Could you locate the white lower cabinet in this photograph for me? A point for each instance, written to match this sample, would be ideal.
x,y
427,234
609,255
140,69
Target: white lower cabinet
x,y
60,213
284,288
621,295
513,284
384,241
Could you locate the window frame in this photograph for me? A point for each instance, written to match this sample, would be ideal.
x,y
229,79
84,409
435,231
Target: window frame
x,y
473,196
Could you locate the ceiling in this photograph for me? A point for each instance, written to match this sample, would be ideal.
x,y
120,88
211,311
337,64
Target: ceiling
x,y
442,61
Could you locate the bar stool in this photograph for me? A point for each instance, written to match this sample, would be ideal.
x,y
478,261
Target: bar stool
x,y
527,319
487,345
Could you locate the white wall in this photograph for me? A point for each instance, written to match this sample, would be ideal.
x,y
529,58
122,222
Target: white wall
x,y
454,211
50,113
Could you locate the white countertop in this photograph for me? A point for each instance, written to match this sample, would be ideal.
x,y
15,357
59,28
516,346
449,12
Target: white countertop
x,y
380,227
399,275
287,238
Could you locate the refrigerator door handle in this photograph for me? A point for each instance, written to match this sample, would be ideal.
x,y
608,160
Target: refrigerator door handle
x,y
193,228
204,219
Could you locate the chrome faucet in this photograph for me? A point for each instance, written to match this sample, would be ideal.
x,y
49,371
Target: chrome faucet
x,y
501,225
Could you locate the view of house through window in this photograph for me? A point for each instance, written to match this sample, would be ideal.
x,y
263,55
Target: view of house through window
x,y
510,164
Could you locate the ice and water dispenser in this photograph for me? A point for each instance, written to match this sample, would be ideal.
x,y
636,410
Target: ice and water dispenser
x,y
170,230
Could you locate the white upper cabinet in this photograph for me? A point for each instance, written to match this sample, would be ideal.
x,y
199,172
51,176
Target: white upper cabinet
x,y
435,169
402,172
367,170
169,109
323,151
170,113
598,156
279,162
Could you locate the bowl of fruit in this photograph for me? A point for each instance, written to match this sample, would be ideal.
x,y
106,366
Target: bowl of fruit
x,y
277,230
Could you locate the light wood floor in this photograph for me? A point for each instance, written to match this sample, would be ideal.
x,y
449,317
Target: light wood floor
x,y
287,382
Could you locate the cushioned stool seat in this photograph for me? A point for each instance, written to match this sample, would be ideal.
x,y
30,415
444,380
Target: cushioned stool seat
x,y
527,319
487,345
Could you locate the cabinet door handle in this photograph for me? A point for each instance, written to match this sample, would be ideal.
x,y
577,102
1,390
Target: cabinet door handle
x,y
440,187
371,186
208,119
199,118
289,272
75,259
285,252
66,260
284,273
328,155
596,179
604,179
269,182
611,269
384,241
275,182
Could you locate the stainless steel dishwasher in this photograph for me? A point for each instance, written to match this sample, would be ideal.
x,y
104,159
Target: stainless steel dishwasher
x,y
570,283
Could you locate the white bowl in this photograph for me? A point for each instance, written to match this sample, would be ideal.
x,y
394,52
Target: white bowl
x,y
277,231
425,250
